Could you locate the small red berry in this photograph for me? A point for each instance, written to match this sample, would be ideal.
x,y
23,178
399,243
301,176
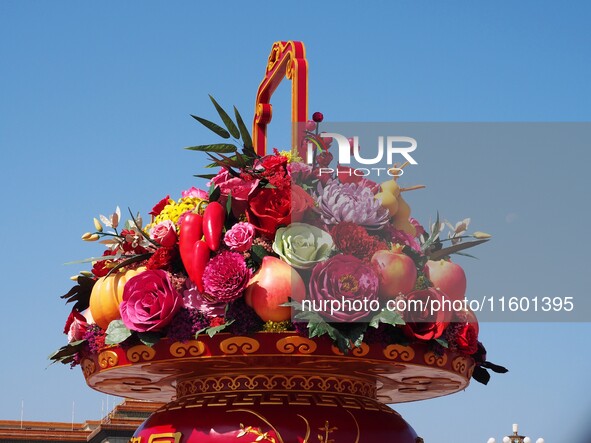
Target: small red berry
x,y
317,117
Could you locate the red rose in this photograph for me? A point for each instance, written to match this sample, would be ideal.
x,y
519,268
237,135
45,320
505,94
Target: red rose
x,y
100,268
467,339
76,326
268,209
301,201
425,319
157,209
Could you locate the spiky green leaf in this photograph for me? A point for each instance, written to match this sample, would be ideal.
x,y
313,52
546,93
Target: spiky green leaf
x,y
216,147
246,139
212,127
230,125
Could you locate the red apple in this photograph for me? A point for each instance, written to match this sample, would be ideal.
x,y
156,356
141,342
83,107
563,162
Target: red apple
x,y
271,286
397,272
448,277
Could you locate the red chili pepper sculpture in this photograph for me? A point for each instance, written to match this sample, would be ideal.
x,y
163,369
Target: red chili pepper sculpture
x,y
213,224
194,251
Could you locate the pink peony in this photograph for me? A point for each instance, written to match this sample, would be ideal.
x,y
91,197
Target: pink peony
x,y
226,276
195,193
239,188
149,301
164,233
240,237
344,285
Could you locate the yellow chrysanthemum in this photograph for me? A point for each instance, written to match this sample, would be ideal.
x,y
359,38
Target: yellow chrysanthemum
x,y
291,156
174,210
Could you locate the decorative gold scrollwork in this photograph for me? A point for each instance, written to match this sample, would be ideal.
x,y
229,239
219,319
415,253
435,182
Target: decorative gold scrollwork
x,y
234,345
399,352
108,359
296,345
140,353
433,359
169,437
461,365
88,367
194,348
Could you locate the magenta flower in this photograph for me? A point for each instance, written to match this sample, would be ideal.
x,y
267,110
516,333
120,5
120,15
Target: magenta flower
x,y
226,276
344,288
149,301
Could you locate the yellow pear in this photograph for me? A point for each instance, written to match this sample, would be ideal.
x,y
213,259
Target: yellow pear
x,y
388,201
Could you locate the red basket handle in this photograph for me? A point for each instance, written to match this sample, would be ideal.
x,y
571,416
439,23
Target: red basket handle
x,y
287,59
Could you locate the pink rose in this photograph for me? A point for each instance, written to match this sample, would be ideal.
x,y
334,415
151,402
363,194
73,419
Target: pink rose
x,y
195,193
164,233
240,237
149,301
239,188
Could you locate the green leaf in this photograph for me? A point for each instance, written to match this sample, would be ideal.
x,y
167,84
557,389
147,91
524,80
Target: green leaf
x,y
388,317
212,127
356,334
117,332
246,139
92,259
67,351
258,253
226,119
439,254
205,176
442,342
213,330
229,203
433,236
216,147
149,338
129,261
214,193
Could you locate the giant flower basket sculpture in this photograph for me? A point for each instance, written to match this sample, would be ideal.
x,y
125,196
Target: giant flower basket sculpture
x,y
207,307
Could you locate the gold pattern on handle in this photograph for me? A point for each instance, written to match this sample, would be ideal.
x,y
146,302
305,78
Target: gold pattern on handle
x,y
169,437
139,353
108,359
234,345
194,348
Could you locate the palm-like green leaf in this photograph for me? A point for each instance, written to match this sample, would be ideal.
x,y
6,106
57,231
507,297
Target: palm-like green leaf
x,y
246,139
216,147
212,127
230,125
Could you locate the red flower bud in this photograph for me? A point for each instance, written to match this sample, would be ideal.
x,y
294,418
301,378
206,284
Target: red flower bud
x,y
317,117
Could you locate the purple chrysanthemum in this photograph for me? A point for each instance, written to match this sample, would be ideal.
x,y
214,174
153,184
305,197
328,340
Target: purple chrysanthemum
x,y
350,202
246,321
186,323
95,338
226,276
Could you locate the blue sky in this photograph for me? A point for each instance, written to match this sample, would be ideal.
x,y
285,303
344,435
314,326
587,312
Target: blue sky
x,y
94,111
